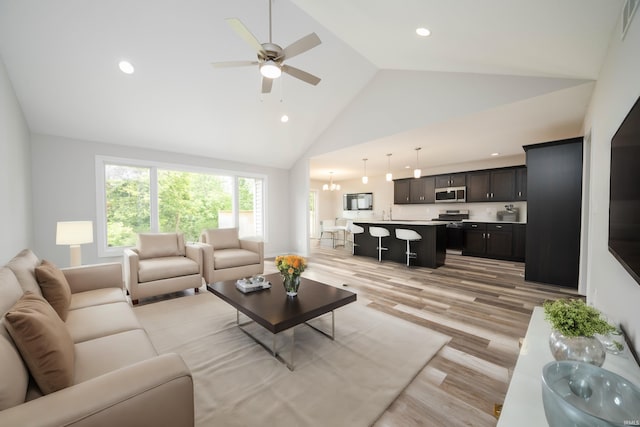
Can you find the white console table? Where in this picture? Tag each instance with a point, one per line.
(523, 403)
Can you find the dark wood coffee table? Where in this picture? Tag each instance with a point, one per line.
(275, 311)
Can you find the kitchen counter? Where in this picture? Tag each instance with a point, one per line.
(398, 222)
(494, 221)
(430, 250)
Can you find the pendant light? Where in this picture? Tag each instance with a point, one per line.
(389, 175)
(365, 178)
(331, 186)
(417, 172)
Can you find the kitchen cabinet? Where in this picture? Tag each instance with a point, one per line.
(554, 212)
(401, 191)
(450, 180)
(521, 184)
(414, 190)
(497, 185)
(519, 240)
(493, 240)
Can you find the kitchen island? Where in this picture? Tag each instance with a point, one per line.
(430, 250)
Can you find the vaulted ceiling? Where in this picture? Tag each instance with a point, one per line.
(494, 75)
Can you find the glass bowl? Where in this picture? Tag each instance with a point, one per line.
(580, 394)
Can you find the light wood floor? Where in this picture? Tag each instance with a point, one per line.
(483, 305)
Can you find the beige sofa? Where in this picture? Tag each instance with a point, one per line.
(227, 257)
(117, 377)
(161, 263)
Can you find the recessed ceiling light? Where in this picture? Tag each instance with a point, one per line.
(495, 154)
(424, 32)
(284, 118)
(126, 67)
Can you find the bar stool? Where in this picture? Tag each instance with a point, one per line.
(354, 229)
(379, 232)
(409, 236)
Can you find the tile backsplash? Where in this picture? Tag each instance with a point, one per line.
(477, 211)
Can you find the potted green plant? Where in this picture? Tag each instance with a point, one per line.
(575, 325)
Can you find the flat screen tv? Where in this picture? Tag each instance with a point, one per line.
(624, 203)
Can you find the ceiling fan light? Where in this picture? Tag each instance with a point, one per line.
(270, 69)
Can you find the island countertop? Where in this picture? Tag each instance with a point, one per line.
(398, 222)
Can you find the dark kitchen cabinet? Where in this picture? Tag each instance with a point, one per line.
(474, 239)
(414, 191)
(519, 240)
(499, 240)
(401, 191)
(521, 184)
(554, 212)
(492, 240)
(429, 189)
(417, 190)
(450, 180)
(497, 185)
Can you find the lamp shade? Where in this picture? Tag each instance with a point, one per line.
(74, 232)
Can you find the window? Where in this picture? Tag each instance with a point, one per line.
(137, 196)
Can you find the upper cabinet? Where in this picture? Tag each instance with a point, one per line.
(521, 184)
(401, 191)
(507, 184)
(496, 185)
(450, 180)
(412, 190)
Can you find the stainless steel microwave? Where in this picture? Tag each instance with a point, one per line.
(451, 194)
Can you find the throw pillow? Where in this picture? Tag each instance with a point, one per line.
(55, 288)
(157, 245)
(43, 341)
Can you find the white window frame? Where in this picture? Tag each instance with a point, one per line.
(101, 203)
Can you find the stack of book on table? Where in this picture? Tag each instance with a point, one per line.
(252, 284)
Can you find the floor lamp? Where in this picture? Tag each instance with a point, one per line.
(74, 233)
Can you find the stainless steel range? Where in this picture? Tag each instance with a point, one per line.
(455, 234)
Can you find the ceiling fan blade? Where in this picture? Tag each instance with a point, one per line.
(302, 75)
(304, 44)
(266, 84)
(244, 32)
(227, 64)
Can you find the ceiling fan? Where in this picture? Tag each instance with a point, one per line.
(271, 57)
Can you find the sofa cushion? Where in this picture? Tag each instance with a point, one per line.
(10, 290)
(223, 238)
(54, 286)
(96, 297)
(98, 321)
(155, 245)
(229, 258)
(43, 341)
(164, 268)
(23, 266)
(14, 377)
(106, 354)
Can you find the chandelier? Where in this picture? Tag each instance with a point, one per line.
(331, 186)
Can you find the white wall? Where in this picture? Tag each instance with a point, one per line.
(609, 286)
(15, 174)
(64, 189)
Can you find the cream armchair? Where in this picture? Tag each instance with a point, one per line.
(162, 263)
(227, 257)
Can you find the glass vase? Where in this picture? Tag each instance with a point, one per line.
(581, 349)
(291, 284)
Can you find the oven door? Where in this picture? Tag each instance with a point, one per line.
(453, 194)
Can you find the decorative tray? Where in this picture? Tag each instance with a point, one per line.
(252, 284)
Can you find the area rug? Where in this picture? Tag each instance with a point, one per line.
(347, 382)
